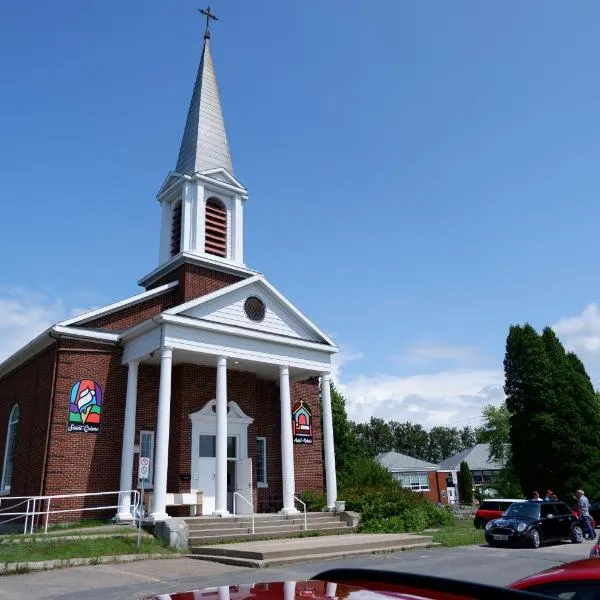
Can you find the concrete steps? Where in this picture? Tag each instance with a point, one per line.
(209, 530)
(285, 551)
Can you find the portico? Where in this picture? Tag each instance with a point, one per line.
(192, 334)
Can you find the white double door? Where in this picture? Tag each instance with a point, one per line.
(204, 463)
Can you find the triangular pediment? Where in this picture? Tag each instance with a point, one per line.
(234, 413)
(170, 180)
(222, 175)
(228, 307)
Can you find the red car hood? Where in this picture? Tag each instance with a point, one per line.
(355, 584)
(588, 568)
(298, 590)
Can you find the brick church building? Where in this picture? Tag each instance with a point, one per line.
(210, 372)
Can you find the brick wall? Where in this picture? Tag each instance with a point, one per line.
(31, 387)
(86, 462)
(437, 488)
(132, 315)
(195, 281)
(80, 462)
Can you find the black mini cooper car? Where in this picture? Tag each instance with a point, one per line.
(534, 523)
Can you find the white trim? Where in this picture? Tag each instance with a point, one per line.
(208, 297)
(162, 190)
(220, 170)
(75, 332)
(105, 310)
(45, 339)
(260, 279)
(34, 347)
(223, 265)
(11, 423)
(265, 482)
(248, 333)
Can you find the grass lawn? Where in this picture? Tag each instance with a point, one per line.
(462, 533)
(86, 548)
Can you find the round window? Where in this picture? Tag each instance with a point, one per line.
(255, 308)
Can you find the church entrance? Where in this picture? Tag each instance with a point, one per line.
(204, 463)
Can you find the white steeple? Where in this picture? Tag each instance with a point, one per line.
(204, 145)
(202, 203)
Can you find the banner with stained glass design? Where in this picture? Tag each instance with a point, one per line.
(302, 423)
(85, 408)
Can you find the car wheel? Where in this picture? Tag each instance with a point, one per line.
(534, 538)
(492, 544)
(576, 534)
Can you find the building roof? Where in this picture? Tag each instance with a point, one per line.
(394, 461)
(204, 145)
(477, 457)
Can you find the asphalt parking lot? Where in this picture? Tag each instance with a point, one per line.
(496, 566)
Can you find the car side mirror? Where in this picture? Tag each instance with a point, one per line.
(550, 516)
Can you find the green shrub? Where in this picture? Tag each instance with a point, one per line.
(314, 502)
(389, 525)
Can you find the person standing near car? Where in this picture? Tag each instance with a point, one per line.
(535, 497)
(583, 507)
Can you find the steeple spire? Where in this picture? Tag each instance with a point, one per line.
(204, 145)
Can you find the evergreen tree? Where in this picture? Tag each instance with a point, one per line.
(465, 484)
(554, 415)
(529, 393)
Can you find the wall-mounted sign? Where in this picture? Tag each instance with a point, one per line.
(302, 423)
(85, 407)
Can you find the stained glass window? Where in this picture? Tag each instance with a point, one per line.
(147, 451)
(261, 462)
(9, 452)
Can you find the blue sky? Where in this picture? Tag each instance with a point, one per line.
(421, 174)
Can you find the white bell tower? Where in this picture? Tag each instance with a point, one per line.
(202, 203)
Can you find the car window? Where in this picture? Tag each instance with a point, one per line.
(562, 509)
(524, 509)
(548, 509)
(503, 505)
(569, 590)
(486, 506)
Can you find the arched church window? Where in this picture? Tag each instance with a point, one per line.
(176, 229)
(9, 450)
(216, 228)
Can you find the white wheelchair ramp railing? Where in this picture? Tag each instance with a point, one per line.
(237, 495)
(34, 510)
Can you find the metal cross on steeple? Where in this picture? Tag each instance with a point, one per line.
(209, 16)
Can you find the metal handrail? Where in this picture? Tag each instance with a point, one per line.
(247, 502)
(304, 506)
(34, 506)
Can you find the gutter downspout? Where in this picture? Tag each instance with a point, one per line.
(50, 410)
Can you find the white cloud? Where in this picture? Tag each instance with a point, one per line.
(445, 397)
(581, 334)
(436, 352)
(23, 316)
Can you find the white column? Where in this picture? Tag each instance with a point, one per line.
(221, 442)
(159, 498)
(124, 512)
(238, 231)
(165, 232)
(330, 476)
(287, 443)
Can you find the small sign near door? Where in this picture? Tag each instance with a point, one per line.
(302, 423)
(144, 468)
